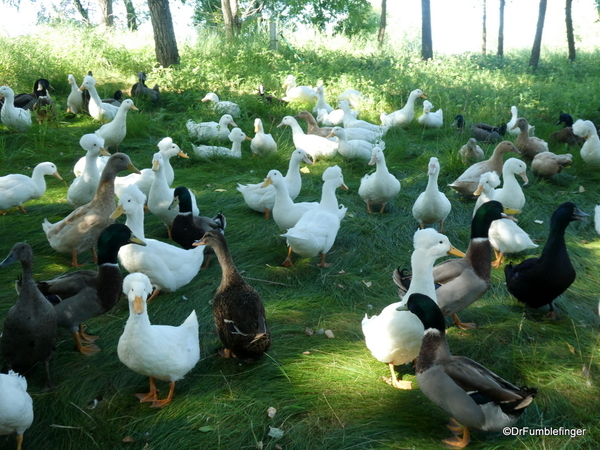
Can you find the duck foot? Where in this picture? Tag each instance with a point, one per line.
(225, 353)
(288, 261)
(86, 338)
(552, 316)
(164, 402)
(87, 350)
(462, 325)
(456, 441)
(153, 296)
(151, 396)
(395, 382)
(323, 263)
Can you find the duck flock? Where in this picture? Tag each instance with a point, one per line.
(411, 329)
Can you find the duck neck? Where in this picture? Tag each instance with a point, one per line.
(282, 196)
(228, 269)
(328, 199)
(168, 168)
(40, 182)
(433, 347)
(422, 275)
(94, 95)
(236, 149)
(91, 170)
(432, 183)
(480, 255)
(109, 283)
(135, 221)
(105, 193)
(296, 128)
(555, 245)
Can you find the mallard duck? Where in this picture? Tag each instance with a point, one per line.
(548, 164)
(75, 103)
(115, 131)
(29, 331)
(350, 121)
(211, 131)
(79, 231)
(481, 131)
(333, 118)
(394, 337)
(432, 206)
(539, 281)
(16, 189)
(474, 396)
(169, 267)
(510, 126)
(188, 228)
(431, 119)
(527, 145)
(262, 199)
(237, 307)
(98, 109)
(315, 232)
(294, 93)
(143, 180)
(12, 117)
(590, 152)
(86, 294)
(471, 151)
(161, 352)
(222, 107)
(315, 146)
(467, 183)
(403, 117)
(83, 188)
(160, 196)
(16, 409)
(236, 136)
(286, 213)
(356, 148)
(511, 193)
(353, 97)
(262, 144)
(380, 187)
(139, 89)
(321, 102)
(269, 98)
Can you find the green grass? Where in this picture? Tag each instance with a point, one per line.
(331, 398)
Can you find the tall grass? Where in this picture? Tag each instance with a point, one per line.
(327, 392)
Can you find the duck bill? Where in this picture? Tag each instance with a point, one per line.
(138, 305)
(478, 191)
(174, 203)
(135, 240)
(11, 258)
(580, 215)
(248, 138)
(373, 160)
(55, 174)
(524, 178)
(134, 108)
(423, 95)
(267, 182)
(307, 160)
(456, 252)
(233, 124)
(344, 187)
(117, 212)
(104, 152)
(198, 243)
(132, 168)
(403, 307)
(155, 165)
(183, 155)
(332, 134)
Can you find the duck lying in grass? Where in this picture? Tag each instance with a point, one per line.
(471, 151)
(481, 131)
(207, 131)
(539, 281)
(474, 396)
(222, 107)
(161, 352)
(12, 117)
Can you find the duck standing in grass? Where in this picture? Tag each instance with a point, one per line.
(590, 151)
(432, 206)
(262, 143)
(16, 189)
(29, 331)
(160, 352)
(115, 131)
(12, 117)
(380, 187)
(529, 146)
(238, 309)
(474, 396)
(16, 408)
(83, 188)
(403, 117)
(539, 281)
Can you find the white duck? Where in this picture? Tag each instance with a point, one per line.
(511, 194)
(317, 229)
(115, 131)
(236, 136)
(471, 151)
(333, 118)
(380, 187)
(315, 146)
(294, 93)
(402, 117)
(355, 148)
(16, 408)
(144, 179)
(169, 267)
(222, 107)
(98, 109)
(351, 122)
(321, 102)
(488, 182)
(597, 218)
(160, 196)
(286, 213)
(75, 103)
(83, 188)
(513, 121)
(431, 119)
(262, 199)
(207, 131)
(16, 189)
(432, 206)
(590, 152)
(353, 97)
(161, 352)
(393, 336)
(262, 143)
(12, 117)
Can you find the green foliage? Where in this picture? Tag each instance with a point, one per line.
(327, 392)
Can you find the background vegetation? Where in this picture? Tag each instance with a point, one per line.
(327, 392)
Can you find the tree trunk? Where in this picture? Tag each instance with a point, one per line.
(106, 12)
(537, 43)
(230, 18)
(484, 29)
(382, 23)
(501, 30)
(131, 16)
(165, 43)
(570, 35)
(426, 41)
